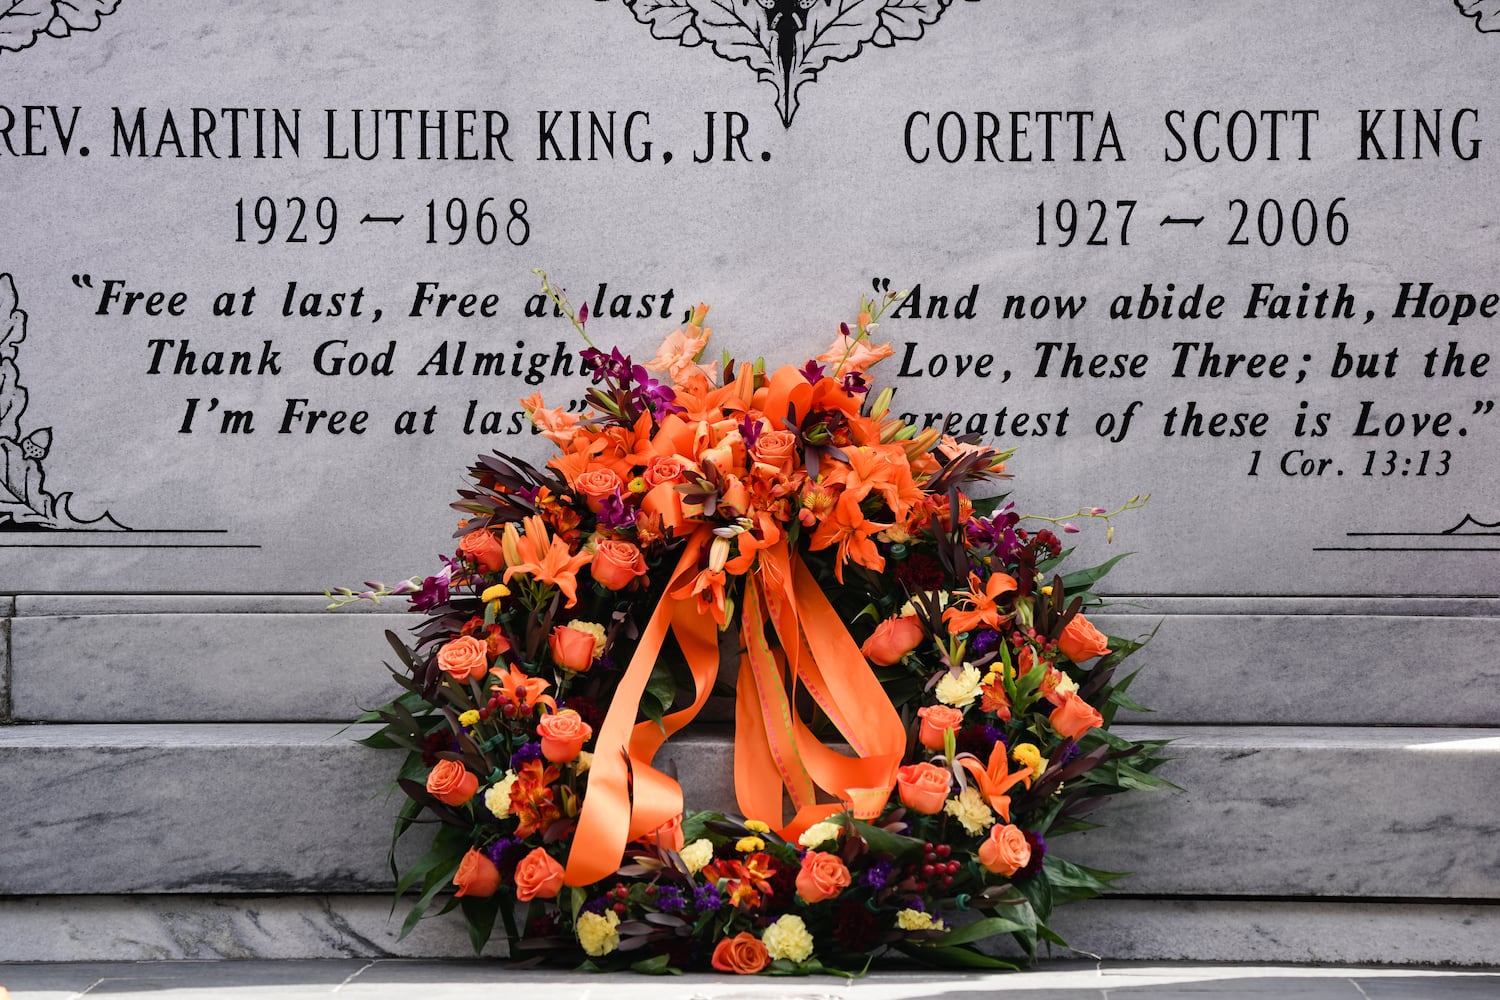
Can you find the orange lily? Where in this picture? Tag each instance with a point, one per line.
(544, 558)
(982, 607)
(995, 780)
(849, 529)
(523, 689)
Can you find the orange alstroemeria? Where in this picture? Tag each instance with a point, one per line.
(848, 528)
(532, 802)
(544, 558)
(982, 607)
(996, 780)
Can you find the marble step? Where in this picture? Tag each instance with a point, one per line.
(1212, 661)
(1352, 813)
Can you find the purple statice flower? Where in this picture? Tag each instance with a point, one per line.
(984, 641)
(597, 905)
(669, 899)
(915, 903)
(854, 384)
(707, 899)
(615, 514)
(506, 853)
(525, 752)
(877, 875)
(995, 735)
(750, 431)
(1038, 854)
(812, 371)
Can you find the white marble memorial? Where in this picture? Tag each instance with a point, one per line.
(266, 288)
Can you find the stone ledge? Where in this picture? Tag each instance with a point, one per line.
(197, 928)
(1389, 813)
(1285, 669)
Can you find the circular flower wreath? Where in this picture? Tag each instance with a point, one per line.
(790, 517)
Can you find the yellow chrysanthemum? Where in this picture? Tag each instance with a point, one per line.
(970, 809)
(788, 938)
(469, 718)
(756, 826)
(916, 920)
(696, 855)
(1027, 755)
(749, 845)
(597, 934)
(819, 834)
(494, 593)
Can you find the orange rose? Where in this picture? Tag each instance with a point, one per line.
(1005, 851)
(668, 835)
(663, 469)
(572, 648)
(538, 876)
(778, 448)
(936, 720)
(823, 876)
(893, 639)
(563, 735)
(616, 564)
(742, 954)
(1081, 641)
(451, 783)
(1074, 717)
(464, 659)
(484, 548)
(476, 875)
(596, 484)
(923, 787)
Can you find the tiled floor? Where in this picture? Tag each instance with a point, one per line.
(415, 980)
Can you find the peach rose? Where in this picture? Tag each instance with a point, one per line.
(1081, 641)
(668, 835)
(823, 876)
(596, 484)
(936, 720)
(1005, 851)
(538, 876)
(451, 783)
(572, 648)
(464, 659)
(778, 448)
(484, 548)
(476, 875)
(893, 639)
(742, 954)
(616, 564)
(1074, 717)
(563, 735)
(923, 787)
(663, 469)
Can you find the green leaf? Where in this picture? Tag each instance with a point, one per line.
(981, 929)
(658, 965)
(480, 914)
(695, 827)
(1084, 579)
(885, 842)
(957, 957)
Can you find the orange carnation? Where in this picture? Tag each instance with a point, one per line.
(923, 787)
(538, 876)
(476, 875)
(742, 954)
(451, 783)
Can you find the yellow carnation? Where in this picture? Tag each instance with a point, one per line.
(916, 920)
(788, 938)
(469, 718)
(970, 809)
(497, 798)
(959, 691)
(596, 932)
(583, 762)
(696, 855)
(1027, 755)
(819, 833)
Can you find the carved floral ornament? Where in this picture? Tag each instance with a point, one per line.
(788, 43)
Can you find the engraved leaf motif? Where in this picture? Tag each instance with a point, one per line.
(81, 15)
(668, 19)
(835, 32)
(22, 498)
(739, 34)
(12, 332)
(907, 19)
(1485, 12)
(21, 21)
